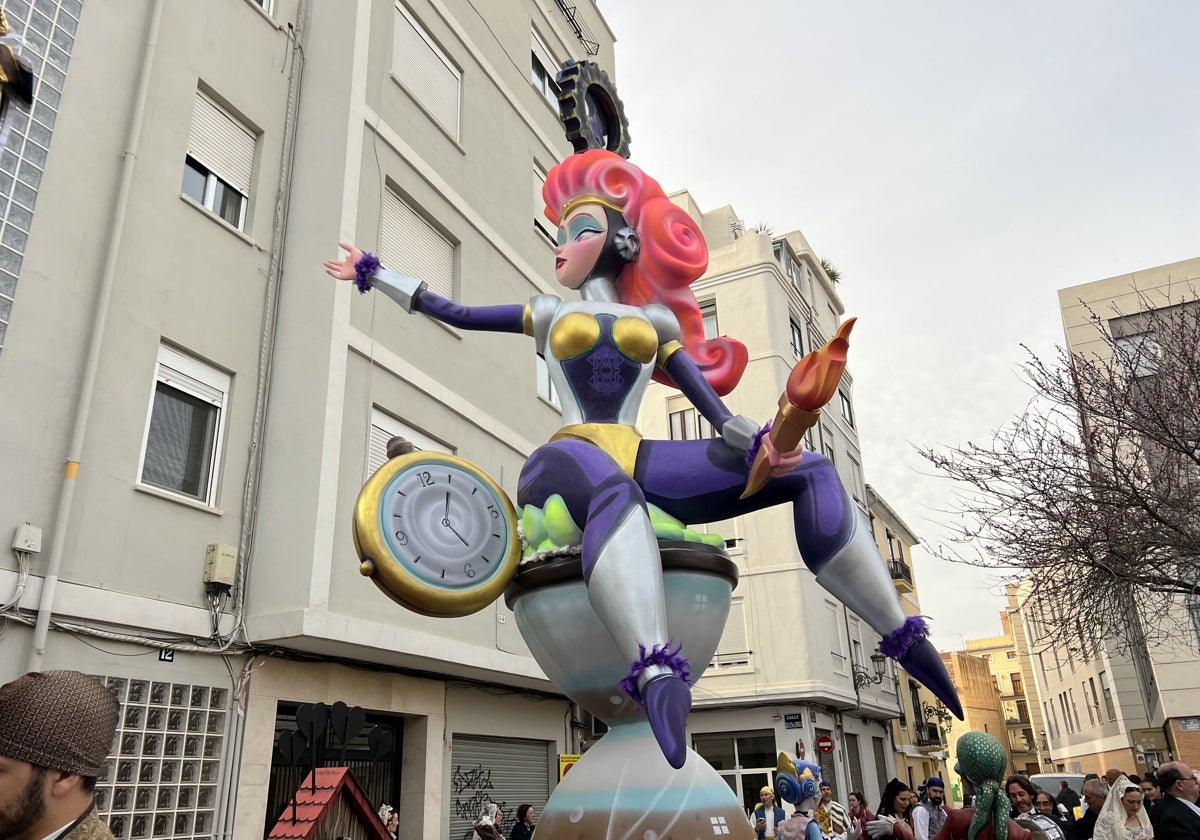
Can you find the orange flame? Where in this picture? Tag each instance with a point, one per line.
(814, 379)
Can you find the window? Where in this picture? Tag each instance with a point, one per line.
(545, 385)
(182, 446)
(797, 337)
(1018, 685)
(1193, 608)
(542, 72)
(540, 223)
(411, 245)
(856, 652)
(266, 5)
(1010, 654)
(827, 443)
(690, 424)
(896, 553)
(1074, 708)
(847, 408)
(708, 311)
(1087, 703)
(734, 646)
(746, 760)
(425, 71)
(220, 161)
(1138, 354)
(1109, 707)
(384, 427)
(856, 477)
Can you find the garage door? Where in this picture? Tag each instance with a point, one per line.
(507, 772)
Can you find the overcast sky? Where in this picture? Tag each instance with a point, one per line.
(958, 162)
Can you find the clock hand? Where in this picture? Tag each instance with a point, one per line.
(446, 522)
(446, 517)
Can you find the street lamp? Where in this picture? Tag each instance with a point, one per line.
(862, 677)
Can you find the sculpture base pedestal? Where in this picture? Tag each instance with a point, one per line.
(623, 789)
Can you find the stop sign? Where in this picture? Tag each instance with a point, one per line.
(825, 744)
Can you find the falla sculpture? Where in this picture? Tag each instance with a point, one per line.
(617, 628)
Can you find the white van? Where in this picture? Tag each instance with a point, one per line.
(1051, 782)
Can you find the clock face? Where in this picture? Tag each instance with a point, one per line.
(436, 534)
(444, 524)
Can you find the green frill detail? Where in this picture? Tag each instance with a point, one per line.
(551, 528)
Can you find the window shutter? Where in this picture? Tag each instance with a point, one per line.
(410, 245)
(539, 206)
(425, 71)
(734, 646)
(855, 758)
(507, 772)
(221, 143)
(384, 427)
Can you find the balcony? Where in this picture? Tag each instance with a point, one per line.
(928, 735)
(1021, 720)
(901, 575)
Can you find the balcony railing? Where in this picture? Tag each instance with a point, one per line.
(928, 735)
(901, 574)
(1020, 720)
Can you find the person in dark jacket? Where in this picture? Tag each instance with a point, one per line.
(1176, 817)
(1067, 796)
(1094, 794)
(523, 828)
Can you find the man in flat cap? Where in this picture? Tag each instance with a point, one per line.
(56, 730)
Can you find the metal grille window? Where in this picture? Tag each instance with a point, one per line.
(425, 71)
(162, 782)
(734, 648)
(411, 245)
(220, 161)
(384, 427)
(181, 450)
(379, 778)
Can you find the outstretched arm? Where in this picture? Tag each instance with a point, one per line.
(414, 295)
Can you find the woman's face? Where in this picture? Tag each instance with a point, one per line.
(1043, 804)
(903, 799)
(581, 238)
(1132, 801)
(853, 802)
(529, 816)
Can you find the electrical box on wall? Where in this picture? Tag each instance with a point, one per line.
(27, 538)
(220, 564)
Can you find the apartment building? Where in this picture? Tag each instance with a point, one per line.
(794, 665)
(1104, 708)
(167, 334)
(982, 710)
(1011, 669)
(918, 734)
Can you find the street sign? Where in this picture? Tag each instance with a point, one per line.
(793, 721)
(825, 744)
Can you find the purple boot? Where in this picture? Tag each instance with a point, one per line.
(668, 701)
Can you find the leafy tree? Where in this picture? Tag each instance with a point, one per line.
(1090, 499)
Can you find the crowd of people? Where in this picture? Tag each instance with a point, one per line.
(1161, 805)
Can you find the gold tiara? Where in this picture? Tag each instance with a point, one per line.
(579, 201)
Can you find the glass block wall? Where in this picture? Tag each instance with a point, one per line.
(48, 27)
(162, 779)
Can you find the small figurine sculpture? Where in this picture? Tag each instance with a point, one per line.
(798, 782)
(632, 254)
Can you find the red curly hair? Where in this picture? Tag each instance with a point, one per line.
(673, 253)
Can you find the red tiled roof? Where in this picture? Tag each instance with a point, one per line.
(311, 808)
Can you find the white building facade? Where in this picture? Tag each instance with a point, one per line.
(183, 384)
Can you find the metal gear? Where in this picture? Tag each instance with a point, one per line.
(590, 110)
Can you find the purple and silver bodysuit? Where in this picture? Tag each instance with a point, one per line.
(601, 355)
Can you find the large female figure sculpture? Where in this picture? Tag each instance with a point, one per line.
(632, 255)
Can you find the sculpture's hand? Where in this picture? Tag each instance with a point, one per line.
(738, 432)
(344, 269)
(782, 463)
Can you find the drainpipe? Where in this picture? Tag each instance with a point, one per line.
(87, 385)
(266, 358)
